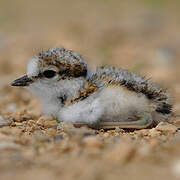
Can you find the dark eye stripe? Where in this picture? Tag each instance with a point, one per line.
(49, 73)
(63, 71)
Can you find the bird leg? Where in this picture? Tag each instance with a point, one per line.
(144, 121)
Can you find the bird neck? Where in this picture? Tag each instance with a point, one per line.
(70, 89)
(54, 99)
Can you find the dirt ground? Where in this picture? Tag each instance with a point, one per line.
(141, 35)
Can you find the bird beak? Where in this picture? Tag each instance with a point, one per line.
(22, 81)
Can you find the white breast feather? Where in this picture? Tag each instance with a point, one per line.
(82, 112)
(112, 104)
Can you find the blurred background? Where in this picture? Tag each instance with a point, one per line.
(140, 35)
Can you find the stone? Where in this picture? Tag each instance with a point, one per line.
(154, 132)
(166, 127)
(11, 108)
(74, 132)
(46, 122)
(4, 122)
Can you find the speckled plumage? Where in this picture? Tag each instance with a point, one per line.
(105, 98)
(68, 62)
(107, 75)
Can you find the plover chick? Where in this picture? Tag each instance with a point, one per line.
(108, 98)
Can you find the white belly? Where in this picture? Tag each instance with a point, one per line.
(110, 104)
(120, 104)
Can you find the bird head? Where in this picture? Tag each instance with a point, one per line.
(53, 70)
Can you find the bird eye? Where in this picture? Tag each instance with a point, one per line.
(49, 73)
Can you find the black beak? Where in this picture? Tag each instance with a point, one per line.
(22, 81)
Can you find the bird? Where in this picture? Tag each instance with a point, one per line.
(108, 98)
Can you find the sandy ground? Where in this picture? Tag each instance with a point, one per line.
(142, 36)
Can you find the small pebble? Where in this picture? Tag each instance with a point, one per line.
(21, 115)
(51, 132)
(18, 124)
(46, 122)
(73, 132)
(166, 127)
(50, 123)
(40, 121)
(4, 122)
(154, 132)
(31, 122)
(11, 108)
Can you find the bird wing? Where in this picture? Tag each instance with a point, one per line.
(107, 75)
